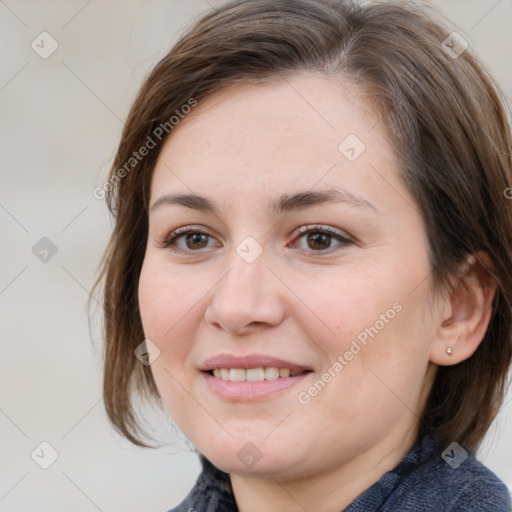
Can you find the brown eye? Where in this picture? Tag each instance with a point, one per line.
(319, 241)
(188, 239)
(196, 241)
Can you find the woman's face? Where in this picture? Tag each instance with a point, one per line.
(305, 265)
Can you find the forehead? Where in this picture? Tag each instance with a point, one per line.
(302, 131)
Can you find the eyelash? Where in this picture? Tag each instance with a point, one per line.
(325, 230)
(169, 242)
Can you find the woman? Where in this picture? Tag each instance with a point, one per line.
(310, 262)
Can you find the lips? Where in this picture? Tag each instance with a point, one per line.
(242, 378)
(254, 361)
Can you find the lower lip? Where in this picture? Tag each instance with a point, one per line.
(247, 391)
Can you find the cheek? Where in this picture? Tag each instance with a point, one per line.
(170, 307)
(170, 304)
(347, 305)
(168, 297)
(374, 328)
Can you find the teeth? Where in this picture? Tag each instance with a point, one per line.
(271, 373)
(254, 374)
(237, 375)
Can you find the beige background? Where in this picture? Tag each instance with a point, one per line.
(60, 122)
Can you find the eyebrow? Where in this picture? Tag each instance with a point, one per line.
(285, 203)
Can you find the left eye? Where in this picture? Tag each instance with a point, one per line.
(320, 239)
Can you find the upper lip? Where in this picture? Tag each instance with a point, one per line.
(249, 361)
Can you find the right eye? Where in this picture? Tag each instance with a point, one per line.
(187, 239)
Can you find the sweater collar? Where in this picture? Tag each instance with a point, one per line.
(213, 491)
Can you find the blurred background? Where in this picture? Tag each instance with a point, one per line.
(69, 72)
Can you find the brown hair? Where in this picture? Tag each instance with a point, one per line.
(451, 136)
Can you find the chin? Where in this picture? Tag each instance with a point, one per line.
(255, 456)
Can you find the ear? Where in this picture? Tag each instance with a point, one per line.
(466, 313)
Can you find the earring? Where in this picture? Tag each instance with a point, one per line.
(449, 351)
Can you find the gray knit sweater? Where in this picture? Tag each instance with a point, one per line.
(422, 482)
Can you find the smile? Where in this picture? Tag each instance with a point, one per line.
(253, 374)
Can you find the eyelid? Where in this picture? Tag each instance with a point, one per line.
(342, 238)
(167, 241)
(311, 228)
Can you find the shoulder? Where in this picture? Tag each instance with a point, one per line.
(480, 488)
(455, 485)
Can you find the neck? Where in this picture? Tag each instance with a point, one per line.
(330, 490)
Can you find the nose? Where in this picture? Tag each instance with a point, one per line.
(250, 296)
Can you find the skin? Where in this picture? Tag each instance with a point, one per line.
(242, 148)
